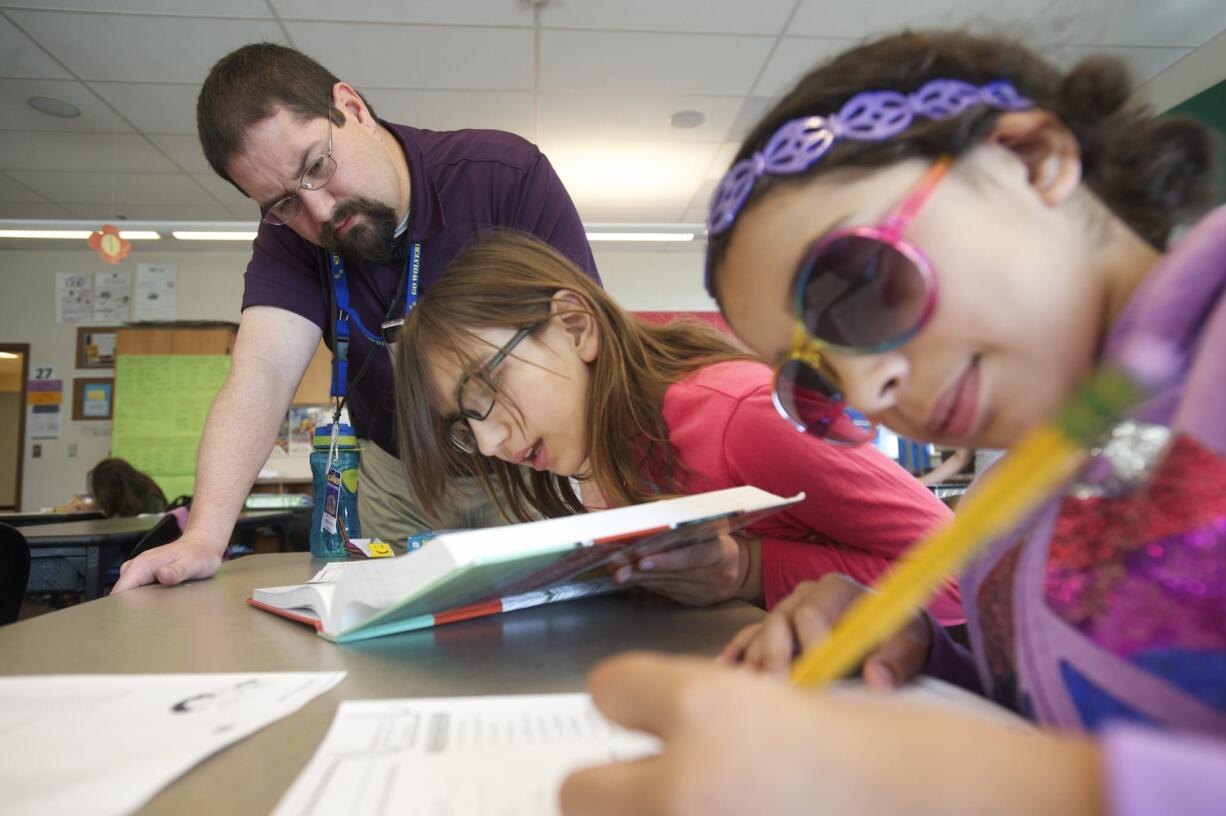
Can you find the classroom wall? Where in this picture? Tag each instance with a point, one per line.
(210, 288)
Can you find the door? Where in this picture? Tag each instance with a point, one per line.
(14, 362)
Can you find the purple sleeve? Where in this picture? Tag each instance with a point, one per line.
(1149, 771)
(546, 210)
(1200, 410)
(949, 661)
(284, 272)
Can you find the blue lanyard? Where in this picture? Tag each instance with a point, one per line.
(340, 291)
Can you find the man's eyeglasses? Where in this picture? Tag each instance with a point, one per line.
(315, 177)
(476, 393)
(861, 289)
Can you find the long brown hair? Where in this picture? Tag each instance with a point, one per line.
(1153, 173)
(121, 490)
(508, 280)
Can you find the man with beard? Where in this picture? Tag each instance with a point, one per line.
(359, 216)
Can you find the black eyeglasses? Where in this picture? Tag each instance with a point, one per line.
(476, 394)
(315, 177)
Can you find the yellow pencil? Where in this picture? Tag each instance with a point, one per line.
(1042, 461)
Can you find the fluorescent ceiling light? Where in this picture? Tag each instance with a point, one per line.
(640, 236)
(80, 235)
(8, 355)
(187, 235)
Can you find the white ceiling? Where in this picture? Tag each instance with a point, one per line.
(593, 82)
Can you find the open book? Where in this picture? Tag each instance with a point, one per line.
(480, 572)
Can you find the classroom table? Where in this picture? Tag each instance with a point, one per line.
(16, 519)
(206, 626)
(93, 546)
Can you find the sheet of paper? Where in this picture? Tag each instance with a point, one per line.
(74, 297)
(453, 755)
(155, 292)
(112, 296)
(104, 744)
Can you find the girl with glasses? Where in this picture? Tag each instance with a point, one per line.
(516, 366)
(948, 234)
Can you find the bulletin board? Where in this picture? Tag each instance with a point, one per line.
(161, 402)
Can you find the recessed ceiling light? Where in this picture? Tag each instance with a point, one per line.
(54, 107)
(195, 235)
(73, 235)
(687, 119)
(640, 236)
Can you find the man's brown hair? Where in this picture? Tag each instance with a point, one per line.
(248, 85)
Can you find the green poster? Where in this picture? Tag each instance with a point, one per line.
(161, 402)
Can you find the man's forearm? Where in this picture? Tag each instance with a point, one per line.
(238, 435)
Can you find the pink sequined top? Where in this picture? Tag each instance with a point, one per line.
(1106, 610)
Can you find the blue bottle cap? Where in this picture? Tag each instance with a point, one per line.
(347, 438)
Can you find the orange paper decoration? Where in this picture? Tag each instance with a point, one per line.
(109, 246)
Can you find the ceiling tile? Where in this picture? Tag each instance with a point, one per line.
(227, 194)
(753, 110)
(439, 12)
(402, 56)
(631, 174)
(1173, 23)
(597, 213)
(153, 107)
(793, 58)
(20, 57)
(696, 214)
(1143, 63)
(38, 150)
(454, 110)
(183, 149)
(13, 193)
(129, 48)
(101, 188)
(633, 117)
(139, 211)
(758, 17)
(16, 113)
(723, 160)
(189, 8)
(34, 210)
(651, 63)
(831, 18)
(702, 195)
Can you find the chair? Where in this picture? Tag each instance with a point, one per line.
(168, 528)
(14, 572)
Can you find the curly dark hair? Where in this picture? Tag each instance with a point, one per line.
(1153, 173)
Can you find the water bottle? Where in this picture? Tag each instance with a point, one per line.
(336, 491)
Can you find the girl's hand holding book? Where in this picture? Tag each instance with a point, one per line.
(709, 572)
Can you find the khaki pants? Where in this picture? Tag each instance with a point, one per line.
(387, 511)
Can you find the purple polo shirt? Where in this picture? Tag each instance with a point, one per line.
(463, 182)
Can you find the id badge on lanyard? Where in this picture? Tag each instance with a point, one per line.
(344, 316)
(332, 496)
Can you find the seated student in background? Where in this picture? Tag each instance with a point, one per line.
(118, 489)
(516, 359)
(984, 299)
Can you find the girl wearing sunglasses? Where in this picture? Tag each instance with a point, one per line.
(516, 366)
(949, 235)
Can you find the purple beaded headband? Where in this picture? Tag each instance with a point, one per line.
(871, 116)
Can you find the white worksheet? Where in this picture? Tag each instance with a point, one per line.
(106, 743)
(457, 755)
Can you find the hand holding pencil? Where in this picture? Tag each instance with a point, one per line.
(1039, 464)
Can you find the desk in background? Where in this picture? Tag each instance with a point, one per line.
(75, 555)
(206, 626)
(50, 517)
